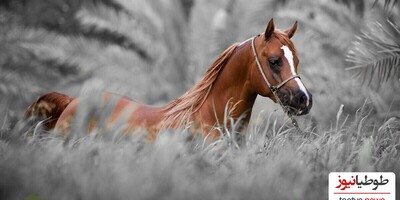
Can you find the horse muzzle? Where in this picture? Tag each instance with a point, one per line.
(296, 102)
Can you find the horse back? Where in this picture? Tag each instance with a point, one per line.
(125, 112)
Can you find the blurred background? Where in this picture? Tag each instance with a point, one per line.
(153, 51)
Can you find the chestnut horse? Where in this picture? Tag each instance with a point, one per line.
(264, 65)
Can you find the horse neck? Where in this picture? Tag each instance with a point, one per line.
(232, 89)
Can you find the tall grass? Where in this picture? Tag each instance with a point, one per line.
(271, 160)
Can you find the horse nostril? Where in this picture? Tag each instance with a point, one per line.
(303, 98)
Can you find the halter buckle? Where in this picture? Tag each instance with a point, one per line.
(274, 89)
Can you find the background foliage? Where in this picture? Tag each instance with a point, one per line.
(154, 51)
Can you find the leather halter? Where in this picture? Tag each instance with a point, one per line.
(274, 89)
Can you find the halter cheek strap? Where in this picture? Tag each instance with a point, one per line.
(274, 89)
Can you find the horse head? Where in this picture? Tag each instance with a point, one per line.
(275, 70)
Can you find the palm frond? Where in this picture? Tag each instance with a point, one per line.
(113, 4)
(59, 16)
(375, 55)
(388, 3)
(119, 28)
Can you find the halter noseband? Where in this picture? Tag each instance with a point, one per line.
(274, 89)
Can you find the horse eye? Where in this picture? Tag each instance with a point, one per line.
(274, 63)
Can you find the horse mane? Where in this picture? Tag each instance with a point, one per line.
(179, 110)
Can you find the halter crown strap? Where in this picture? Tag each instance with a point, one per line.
(273, 88)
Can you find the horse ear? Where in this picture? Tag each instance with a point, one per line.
(290, 32)
(270, 29)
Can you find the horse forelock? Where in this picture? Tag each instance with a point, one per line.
(178, 111)
(285, 40)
